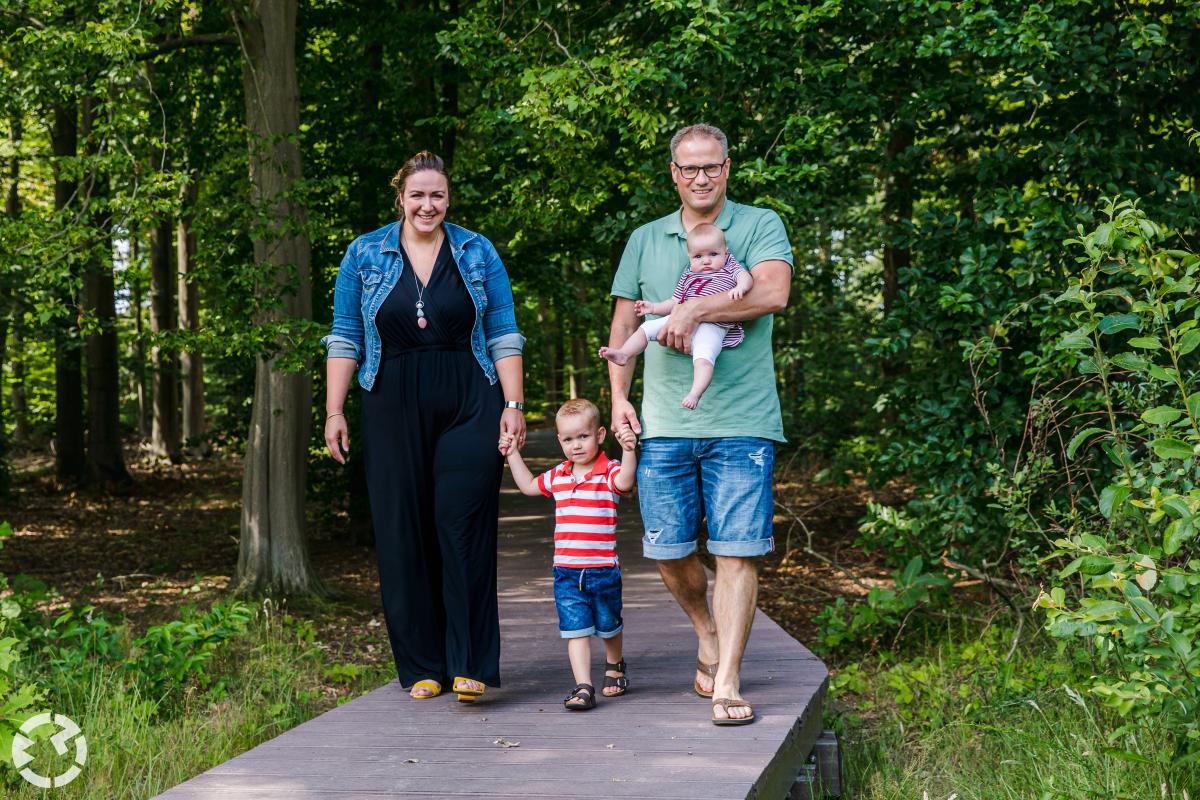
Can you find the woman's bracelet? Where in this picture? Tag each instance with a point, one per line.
(334, 414)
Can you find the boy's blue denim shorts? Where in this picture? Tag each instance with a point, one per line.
(725, 480)
(588, 601)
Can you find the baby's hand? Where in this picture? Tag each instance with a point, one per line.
(641, 307)
(737, 293)
(506, 444)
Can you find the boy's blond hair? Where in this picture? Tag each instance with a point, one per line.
(578, 407)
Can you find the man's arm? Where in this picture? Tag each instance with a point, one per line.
(772, 284)
(620, 378)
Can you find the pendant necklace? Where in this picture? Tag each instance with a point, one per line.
(421, 321)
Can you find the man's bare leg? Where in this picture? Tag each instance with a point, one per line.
(734, 597)
(687, 581)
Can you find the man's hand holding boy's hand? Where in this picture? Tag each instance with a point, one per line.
(627, 438)
(507, 444)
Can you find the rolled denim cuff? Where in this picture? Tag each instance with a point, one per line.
(505, 345)
(340, 347)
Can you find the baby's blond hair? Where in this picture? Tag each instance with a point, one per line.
(706, 230)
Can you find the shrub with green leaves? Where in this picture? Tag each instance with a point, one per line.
(1130, 588)
(18, 696)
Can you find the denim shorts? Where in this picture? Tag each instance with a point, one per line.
(724, 480)
(588, 601)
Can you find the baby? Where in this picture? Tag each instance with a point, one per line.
(712, 269)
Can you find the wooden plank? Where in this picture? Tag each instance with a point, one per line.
(657, 741)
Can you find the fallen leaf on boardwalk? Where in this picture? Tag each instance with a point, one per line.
(610, 746)
(412, 761)
(506, 743)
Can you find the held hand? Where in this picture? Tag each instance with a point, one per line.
(512, 425)
(627, 438)
(337, 438)
(681, 326)
(507, 440)
(641, 307)
(625, 418)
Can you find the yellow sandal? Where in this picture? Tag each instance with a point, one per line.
(433, 687)
(465, 694)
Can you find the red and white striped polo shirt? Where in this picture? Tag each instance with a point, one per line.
(585, 513)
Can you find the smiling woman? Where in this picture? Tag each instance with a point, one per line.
(424, 308)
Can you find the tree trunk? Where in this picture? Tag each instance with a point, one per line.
(897, 210)
(164, 431)
(273, 555)
(19, 408)
(9, 307)
(70, 463)
(191, 362)
(106, 463)
(139, 348)
(547, 330)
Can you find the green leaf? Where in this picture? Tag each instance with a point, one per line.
(1115, 323)
(1131, 361)
(1145, 342)
(1112, 498)
(1168, 447)
(1161, 415)
(1079, 438)
(1096, 565)
(1178, 532)
(1075, 340)
(1189, 342)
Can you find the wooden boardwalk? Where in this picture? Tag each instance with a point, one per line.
(519, 742)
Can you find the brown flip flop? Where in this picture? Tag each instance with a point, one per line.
(708, 669)
(726, 703)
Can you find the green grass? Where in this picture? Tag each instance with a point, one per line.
(956, 718)
(274, 677)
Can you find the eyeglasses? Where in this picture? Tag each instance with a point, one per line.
(690, 171)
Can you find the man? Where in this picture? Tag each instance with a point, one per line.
(716, 461)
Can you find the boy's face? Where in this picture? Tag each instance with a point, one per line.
(580, 438)
(707, 253)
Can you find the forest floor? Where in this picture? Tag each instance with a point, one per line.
(173, 541)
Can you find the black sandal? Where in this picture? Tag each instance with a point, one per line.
(621, 683)
(585, 692)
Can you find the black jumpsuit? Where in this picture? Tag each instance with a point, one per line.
(430, 426)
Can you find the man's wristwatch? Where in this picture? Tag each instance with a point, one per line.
(518, 405)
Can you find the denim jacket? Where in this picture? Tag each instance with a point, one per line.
(372, 267)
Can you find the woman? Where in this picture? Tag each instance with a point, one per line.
(424, 308)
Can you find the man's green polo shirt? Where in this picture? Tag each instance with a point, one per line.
(742, 399)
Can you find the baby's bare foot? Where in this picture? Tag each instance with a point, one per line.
(614, 355)
(691, 400)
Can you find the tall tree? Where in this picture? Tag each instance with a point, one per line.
(273, 556)
(164, 431)
(69, 455)
(191, 360)
(106, 463)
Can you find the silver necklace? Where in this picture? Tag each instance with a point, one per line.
(421, 321)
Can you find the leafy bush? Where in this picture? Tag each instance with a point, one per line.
(18, 696)
(882, 609)
(174, 652)
(1131, 589)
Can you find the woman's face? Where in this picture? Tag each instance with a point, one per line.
(425, 200)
